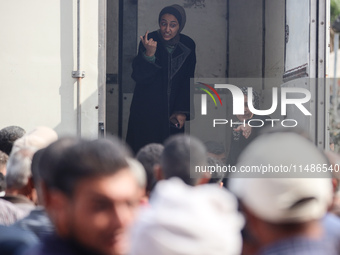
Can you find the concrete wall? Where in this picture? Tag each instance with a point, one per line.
(37, 57)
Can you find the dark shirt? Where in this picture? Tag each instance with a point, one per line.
(328, 244)
(54, 245)
(300, 246)
(36, 222)
(13, 240)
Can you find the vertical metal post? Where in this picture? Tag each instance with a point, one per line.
(78, 68)
(78, 74)
(321, 125)
(102, 67)
(335, 87)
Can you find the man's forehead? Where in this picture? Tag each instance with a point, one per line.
(120, 184)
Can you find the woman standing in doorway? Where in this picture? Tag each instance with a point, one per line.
(162, 70)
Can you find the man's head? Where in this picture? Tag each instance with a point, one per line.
(282, 202)
(19, 176)
(216, 150)
(8, 136)
(91, 194)
(180, 156)
(188, 220)
(149, 156)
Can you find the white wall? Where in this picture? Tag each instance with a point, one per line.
(37, 57)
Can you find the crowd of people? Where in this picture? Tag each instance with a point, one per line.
(76, 196)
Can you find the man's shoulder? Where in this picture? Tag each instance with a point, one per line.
(37, 222)
(300, 246)
(51, 245)
(13, 240)
(331, 224)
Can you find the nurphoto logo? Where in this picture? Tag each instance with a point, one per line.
(239, 104)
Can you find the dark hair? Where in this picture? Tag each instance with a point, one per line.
(80, 160)
(50, 156)
(8, 136)
(214, 147)
(180, 156)
(2, 182)
(148, 156)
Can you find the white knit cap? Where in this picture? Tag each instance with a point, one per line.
(284, 200)
(188, 220)
(39, 138)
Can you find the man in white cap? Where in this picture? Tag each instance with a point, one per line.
(284, 214)
(183, 219)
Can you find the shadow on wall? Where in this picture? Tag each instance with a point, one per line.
(66, 90)
(68, 86)
(89, 118)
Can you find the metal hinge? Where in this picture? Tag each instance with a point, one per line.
(287, 33)
(101, 129)
(78, 74)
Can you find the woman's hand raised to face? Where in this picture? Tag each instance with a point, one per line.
(149, 44)
(246, 130)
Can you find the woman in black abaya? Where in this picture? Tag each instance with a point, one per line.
(162, 70)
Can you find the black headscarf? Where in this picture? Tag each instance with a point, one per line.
(179, 12)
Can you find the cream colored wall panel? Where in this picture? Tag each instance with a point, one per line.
(37, 57)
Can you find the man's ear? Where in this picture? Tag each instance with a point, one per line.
(45, 194)
(57, 205)
(335, 184)
(32, 191)
(29, 191)
(54, 200)
(204, 179)
(158, 172)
